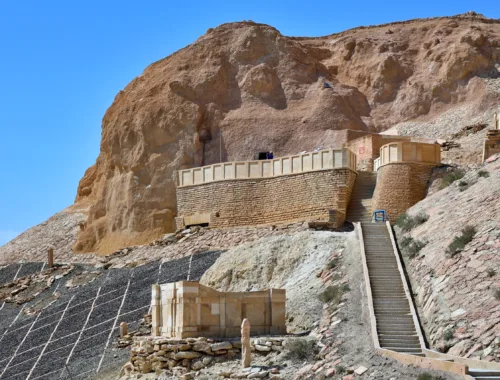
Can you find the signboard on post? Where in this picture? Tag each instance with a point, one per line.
(379, 216)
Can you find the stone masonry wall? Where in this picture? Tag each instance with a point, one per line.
(178, 357)
(400, 186)
(288, 198)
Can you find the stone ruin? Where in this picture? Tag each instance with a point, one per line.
(194, 326)
(188, 309)
(492, 140)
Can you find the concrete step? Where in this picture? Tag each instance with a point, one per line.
(388, 295)
(401, 323)
(403, 350)
(475, 372)
(400, 345)
(388, 307)
(384, 321)
(388, 292)
(396, 332)
(390, 303)
(399, 338)
(386, 265)
(404, 326)
(380, 275)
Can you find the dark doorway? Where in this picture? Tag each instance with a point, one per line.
(264, 156)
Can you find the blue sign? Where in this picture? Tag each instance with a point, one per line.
(379, 216)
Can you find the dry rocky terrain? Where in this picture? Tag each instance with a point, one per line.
(458, 295)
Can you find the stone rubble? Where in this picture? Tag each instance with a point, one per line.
(179, 357)
(25, 289)
(192, 241)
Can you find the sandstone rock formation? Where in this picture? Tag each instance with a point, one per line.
(264, 91)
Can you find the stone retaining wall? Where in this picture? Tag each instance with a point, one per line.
(400, 186)
(149, 354)
(319, 195)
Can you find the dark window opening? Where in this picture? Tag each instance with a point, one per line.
(264, 156)
(198, 225)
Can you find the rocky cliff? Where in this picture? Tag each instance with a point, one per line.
(244, 88)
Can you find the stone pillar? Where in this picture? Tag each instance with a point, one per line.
(155, 310)
(50, 257)
(496, 122)
(123, 329)
(246, 356)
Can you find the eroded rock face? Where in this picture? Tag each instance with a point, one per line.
(265, 91)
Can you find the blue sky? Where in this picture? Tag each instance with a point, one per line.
(62, 63)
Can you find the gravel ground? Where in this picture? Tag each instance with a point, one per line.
(83, 324)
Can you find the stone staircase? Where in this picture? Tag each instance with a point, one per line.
(392, 306)
(484, 374)
(395, 327)
(360, 206)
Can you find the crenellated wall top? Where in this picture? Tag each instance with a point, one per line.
(299, 163)
(409, 152)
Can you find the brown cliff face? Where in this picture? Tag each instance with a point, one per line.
(264, 91)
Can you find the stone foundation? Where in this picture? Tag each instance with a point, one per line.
(155, 354)
(400, 186)
(317, 195)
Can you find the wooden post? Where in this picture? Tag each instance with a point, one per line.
(50, 257)
(123, 329)
(246, 358)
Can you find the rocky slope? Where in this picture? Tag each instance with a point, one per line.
(283, 262)
(459, 296)
(247, 88)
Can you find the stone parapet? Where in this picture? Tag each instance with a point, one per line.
(411, 153)
(300, 163)
(315, 195)
(367, 148)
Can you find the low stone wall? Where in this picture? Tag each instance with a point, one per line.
(149, 354)
(400, 186)
(317, 195)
